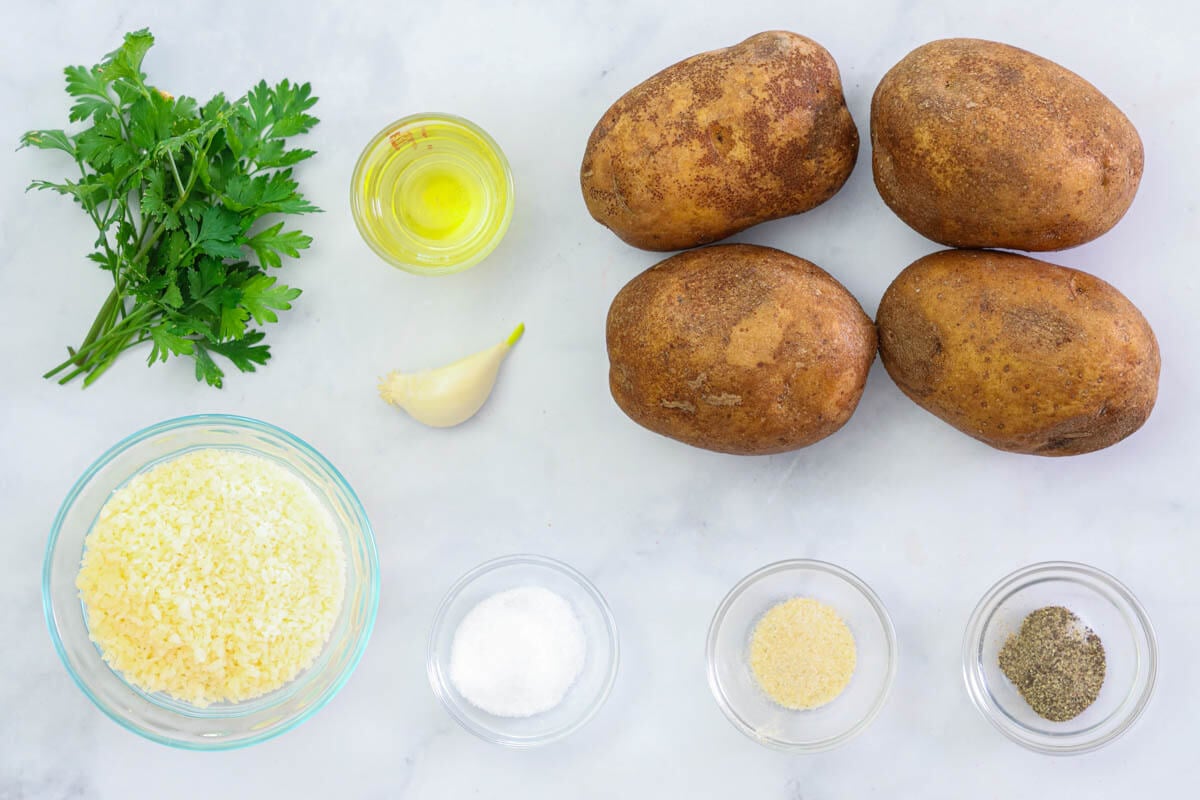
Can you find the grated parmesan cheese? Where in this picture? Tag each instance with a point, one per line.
(216, 576)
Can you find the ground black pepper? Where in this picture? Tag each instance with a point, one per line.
(1056, 662)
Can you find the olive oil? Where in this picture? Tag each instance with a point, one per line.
(436, 202)
(432, 194)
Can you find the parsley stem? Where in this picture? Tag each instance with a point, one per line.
(114, 350)
(87, 354)
(103, 320)
(175, 172)
(183, 196)
(70, 376)
(155, 232)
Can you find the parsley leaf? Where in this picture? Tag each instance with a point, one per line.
(260, 295)
(126, 60)
(246, 352)
(206, 369)
(168, 343)
(268, 244)
(216, 232)
(90, 90)
(49, 140)
(174, 188)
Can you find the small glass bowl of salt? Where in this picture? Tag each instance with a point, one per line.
(523, 651)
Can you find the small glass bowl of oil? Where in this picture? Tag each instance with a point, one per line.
(432, 194)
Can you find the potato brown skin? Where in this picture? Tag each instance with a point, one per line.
(979, 144)
(719, 142)
(1025, 356)
(738, 348)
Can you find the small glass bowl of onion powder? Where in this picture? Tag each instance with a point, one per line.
(801, 656)
(1108, 639)
(523, 651)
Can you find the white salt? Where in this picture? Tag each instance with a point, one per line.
(518, 652)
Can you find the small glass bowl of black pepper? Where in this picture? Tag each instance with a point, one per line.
(1103, 606)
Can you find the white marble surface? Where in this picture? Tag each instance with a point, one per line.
(927, 516)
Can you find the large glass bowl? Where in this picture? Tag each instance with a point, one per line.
(737, 691)
(157, 716)
(1103, 604)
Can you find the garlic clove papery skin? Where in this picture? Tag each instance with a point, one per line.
(449, 395)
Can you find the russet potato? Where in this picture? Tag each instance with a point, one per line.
(1023, 355)
(979, 144)
(738, 348)
(719, 142)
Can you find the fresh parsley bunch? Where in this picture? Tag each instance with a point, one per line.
(178, 193)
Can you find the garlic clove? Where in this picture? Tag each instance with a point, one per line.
(449, 395)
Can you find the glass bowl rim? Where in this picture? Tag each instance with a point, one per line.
(407, 266)
(440, 682)
(881, 613)
(1006, 587)
(197, 420)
